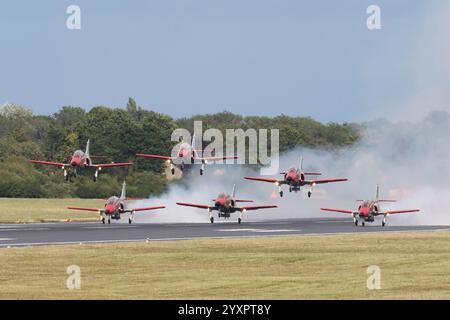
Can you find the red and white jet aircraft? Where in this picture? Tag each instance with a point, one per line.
(368, 210)
(295, 178)
(115, 207)
(82, 160)
(226, 205)
(186, 154)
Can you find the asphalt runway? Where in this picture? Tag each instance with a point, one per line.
(95, 232)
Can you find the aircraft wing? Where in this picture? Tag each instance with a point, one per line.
(256, 207)
(145, 208)
(338, 210)
(265, 180)
(201, 206)
(109, 165)
(217, 158)
(56, 164)
(153, 156)
(312, 173)
(320, 181)
(401, 211)
(86, 209)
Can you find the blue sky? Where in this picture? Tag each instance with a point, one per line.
(252, 57)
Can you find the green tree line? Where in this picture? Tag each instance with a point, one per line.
(118, 134)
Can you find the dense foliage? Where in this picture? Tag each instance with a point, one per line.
(118, 134)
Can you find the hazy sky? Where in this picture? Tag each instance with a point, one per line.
(253, 57)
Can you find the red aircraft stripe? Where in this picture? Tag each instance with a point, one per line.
(401, 211)
(109, 165)
(147, 208)
(84, 209)
(257, 207)
(325, 181)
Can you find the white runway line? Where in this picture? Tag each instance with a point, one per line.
(210, 237)
(335, 221)
(7, 239)
(110, 227)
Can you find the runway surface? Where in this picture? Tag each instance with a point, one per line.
(95, 232)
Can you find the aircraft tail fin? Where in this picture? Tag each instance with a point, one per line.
(301, 164)
(124, 191)
(377, 196)
(87, 149)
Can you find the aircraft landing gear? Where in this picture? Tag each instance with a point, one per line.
(363, 224)
(239, 220)
(109, 220)
(173, 171)
(309, 194)
(356, 222)
(290, 189)
(383, 223)
(211, 219)
(201, 172)
(103, 220)
(281, 194)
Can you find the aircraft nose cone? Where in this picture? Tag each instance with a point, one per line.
(75, 162)
(183, 153)
(364, 211)
(291, 177)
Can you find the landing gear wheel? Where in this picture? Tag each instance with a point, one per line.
(67, 177)
(356, 223)
(173, 171)
(109, 221)
(239, 220)
(363, 224)
(103, 220)
(129, 220)
(309, 194)
(290, 189)
(95, 179)
(383, 223)
(211, 219)
(201, 172)
(281, 193)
